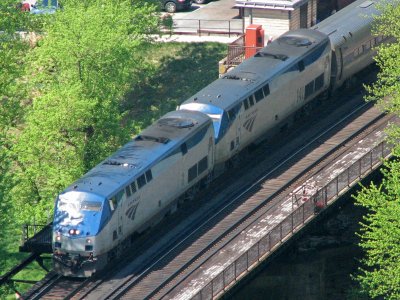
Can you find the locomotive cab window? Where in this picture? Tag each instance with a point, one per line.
(113, 203)
(232, 114)
(120, 195)
(91, 205)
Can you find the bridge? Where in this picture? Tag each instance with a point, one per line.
(249, 214)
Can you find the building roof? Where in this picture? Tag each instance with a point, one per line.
(271, 4)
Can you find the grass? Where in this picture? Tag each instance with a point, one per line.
(179, 70)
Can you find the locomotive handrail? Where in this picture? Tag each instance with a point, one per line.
(39, 237)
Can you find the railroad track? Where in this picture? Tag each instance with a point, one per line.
(157, 269)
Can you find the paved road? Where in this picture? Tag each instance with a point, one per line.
(215, 10)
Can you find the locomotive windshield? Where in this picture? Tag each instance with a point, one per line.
(91, 205)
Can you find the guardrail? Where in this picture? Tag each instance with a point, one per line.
(310, 204)
(205, 27)
(36, 238)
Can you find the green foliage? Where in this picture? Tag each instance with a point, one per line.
(380, 234)
(13, 48)
(78, 74)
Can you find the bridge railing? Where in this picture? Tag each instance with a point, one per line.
(30, 230)
(310, 205)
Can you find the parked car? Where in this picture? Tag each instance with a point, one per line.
(172, 6)
(40, 6)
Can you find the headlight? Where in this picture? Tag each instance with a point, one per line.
(74, 231)
(88, 241)
(58, 238)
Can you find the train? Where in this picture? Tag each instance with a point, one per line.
(144, 180)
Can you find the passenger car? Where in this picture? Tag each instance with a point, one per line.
(172, 6)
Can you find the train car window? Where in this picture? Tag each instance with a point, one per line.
(301, 66)
(246, 104)
(232, 145)
(259, 95)
(203, 165)
(266, 90)
(133, 187)
(192, 173)
(141, 181)
(149, 176)
(319, 82)
(232, 114)
(251, 100)
(128, 191)
(309, 90)
(184, 148)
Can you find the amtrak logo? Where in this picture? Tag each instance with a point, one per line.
(130, 213)
(249, 123)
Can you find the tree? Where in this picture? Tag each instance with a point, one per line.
(77, 76)
(380, 233)
(14, 47)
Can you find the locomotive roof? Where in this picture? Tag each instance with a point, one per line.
(256, 71)
(141, 153)
(355, 16)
